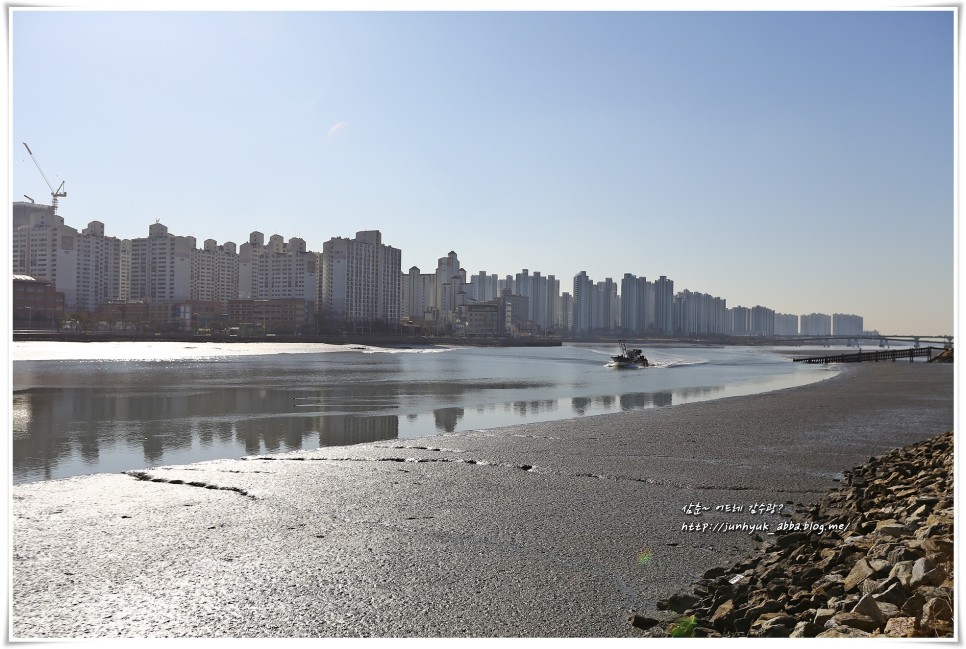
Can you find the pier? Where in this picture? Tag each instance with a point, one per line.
(876, 356)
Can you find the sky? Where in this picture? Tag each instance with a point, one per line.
(798, 160)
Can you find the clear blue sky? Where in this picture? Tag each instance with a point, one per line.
(802, 161)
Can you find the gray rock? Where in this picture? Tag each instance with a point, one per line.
(722, 612)
(867, 606)
(859, 573)
(888, 610)
(903, 572)
(901, 627)
(935, 610)
(843, 632)
(895, 593)
(823, 615)
(681, 602)
(853, 620)
(642, 622)
(806, 629)
(919, 570)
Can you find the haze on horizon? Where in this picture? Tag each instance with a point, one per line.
(803, 161)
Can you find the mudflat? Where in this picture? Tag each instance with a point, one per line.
(548, 529)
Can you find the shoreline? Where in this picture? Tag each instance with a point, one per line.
(537, 530)
(891, 575)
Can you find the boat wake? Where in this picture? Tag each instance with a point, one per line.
(681, 362)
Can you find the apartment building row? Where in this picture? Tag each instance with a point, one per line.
(360, 280)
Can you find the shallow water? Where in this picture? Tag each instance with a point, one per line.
(81, 408)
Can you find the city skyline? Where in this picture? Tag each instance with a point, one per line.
(94, 271)
(768, 158)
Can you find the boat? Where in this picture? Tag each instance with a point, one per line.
(629, 357)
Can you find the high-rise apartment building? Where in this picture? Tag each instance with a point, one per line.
(816, 324)
(739, 321)
(450, 279)
(361, 279)
(700, 314)
(762, 321)
(417, 295)
(214, 272)
(634, 304)
(846, 324)
(161, 266)
(483, 287)
(664, 305)
(565, 313)
(604, 314)
(583, 303)
(99, 263)
(277, 270)
(543, 293)
(44, 247)
(786, 324)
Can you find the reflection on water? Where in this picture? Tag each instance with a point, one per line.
(77, 417)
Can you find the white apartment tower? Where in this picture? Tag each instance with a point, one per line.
(277, 270)
(44, 247)
(450, 279)
(816, 324)
(583, 303)
(161, 266)
(417, 294)
(664, 305)
(214, 272)
(847, 324)
(361, 279)
(99, 263)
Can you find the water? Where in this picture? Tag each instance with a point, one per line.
(82, 408)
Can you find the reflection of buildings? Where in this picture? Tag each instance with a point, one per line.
(447, 418)
(343, 430)
(92, 425)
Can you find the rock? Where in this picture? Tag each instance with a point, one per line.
(823, 615)
(887, 572)
(641, 622)
(853, 620)
(913, 605)
(704, 632)
(768, 606)
(895, 592)
(919, 570)
(859, 573)
(722, 612)
(680, 603)
(867, 606)
(806, 629)
(888, 610)
(901, 627)
(713, 573)
(935, 610)
(892, 528)
(903, 572)
(842, 632)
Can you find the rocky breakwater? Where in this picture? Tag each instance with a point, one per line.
(888, 573)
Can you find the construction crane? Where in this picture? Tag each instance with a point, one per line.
(54, 193)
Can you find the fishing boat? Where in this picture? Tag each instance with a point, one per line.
(629, 357)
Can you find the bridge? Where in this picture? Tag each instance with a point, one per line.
(880, 339)
(887, 355)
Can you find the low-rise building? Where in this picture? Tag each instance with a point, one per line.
(36, 303)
